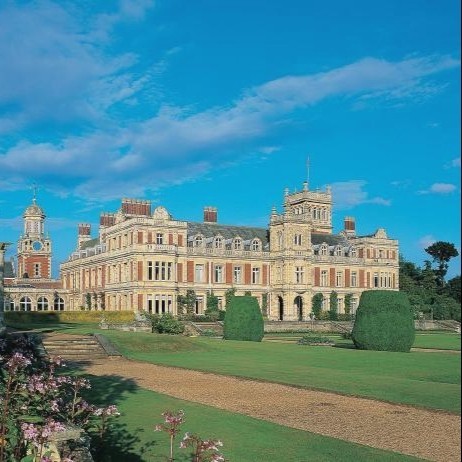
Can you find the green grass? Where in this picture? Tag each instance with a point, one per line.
(245, 439)
(417, 378)
(422, 379)
(439, 341)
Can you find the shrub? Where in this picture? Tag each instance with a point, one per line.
(243, 320)
(316, 304)
(166, 324)
(384, 321)
(51, 317)
(333, 306)
(312, 339)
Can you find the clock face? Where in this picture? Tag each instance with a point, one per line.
(36, 245)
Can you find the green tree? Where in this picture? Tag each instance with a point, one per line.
(442, 252)
(243, 320)
(229, 294)
(384, 321)
(348, 303)
(187, 303)
(333, 306)
(264, 305)
(453, 288)
(316, 305)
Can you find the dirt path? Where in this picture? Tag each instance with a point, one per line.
(422, 433)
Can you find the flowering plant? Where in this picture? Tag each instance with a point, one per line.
(35, 402)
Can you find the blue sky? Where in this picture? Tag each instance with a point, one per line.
(220, 102)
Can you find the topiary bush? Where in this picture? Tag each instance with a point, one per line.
(384, 321)
(243, 320)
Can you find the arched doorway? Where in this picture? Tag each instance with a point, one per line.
(298, 303)
(281, 308)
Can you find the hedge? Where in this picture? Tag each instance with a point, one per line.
(384, 321)
(51, 317)
(243, 320)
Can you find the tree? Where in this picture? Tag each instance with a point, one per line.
(229, 294)
(384, 321)
(243, 320)
(442, 252)
(316, 304)
(333, 306)
(187, 303)
(453, 288)
(348, 303)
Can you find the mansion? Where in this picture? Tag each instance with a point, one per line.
(142, 259)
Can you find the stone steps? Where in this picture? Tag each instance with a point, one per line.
(215, 326)
(74, 348)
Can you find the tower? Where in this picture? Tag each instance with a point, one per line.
(34, 248)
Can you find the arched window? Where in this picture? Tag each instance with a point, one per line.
(255, 244)
(59, 304)
(237, 243)
(42, 304)
(25, 304)
(323, 250)
(198, 241)
(218, 242)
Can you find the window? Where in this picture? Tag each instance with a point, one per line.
(353, 252)
(218, 272)
(237, 244)
(354, 279)
(159, 238)
(298, 239)
(25, 304)
(218, 242)
(381, 253)
(339, 279)
(299, 273)
(42, 304)
(255, 275)
(323, 250)
(159, 271)
(198, 241)
(237, 275)
(59, 304)
(338, 251)
(199, 273)
(324, 214)
(376, 279)
(255, 244)
(324, 278)
(280, 239)
(36, 269)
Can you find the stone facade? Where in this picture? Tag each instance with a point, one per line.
(143, 261)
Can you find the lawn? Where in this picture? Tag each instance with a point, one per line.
(422, 379)
(245, 439)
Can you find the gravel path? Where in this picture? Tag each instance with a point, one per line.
(427, 434)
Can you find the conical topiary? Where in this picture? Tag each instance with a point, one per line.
(243, 320)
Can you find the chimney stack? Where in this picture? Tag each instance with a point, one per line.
(136, 207)
(350, 226)
(84, 234)
(210, 214)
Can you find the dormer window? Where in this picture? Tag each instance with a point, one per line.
(198, 241)
(237, 244)
(218, 242)
(323, 250)
(353, 252)
(256, 245)
(338, 251)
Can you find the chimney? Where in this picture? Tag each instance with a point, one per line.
(136, 207)
(210, 214)
(84, 234)
(350, 226)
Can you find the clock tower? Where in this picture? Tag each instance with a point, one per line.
(34, 248)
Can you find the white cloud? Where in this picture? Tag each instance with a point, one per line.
(349, 194)
(439, 188)
(174, 145)
(456, 162)
(426, 241)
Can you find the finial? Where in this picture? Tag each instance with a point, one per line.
(34, 191)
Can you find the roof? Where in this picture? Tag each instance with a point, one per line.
(329, 239)
(34, 210)
(89, 244)
(228, 231)
(8, 270)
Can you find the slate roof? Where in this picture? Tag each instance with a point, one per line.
(90, 244)
(329, 239)
(228, 232)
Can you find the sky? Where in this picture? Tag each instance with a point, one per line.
(222, 102)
